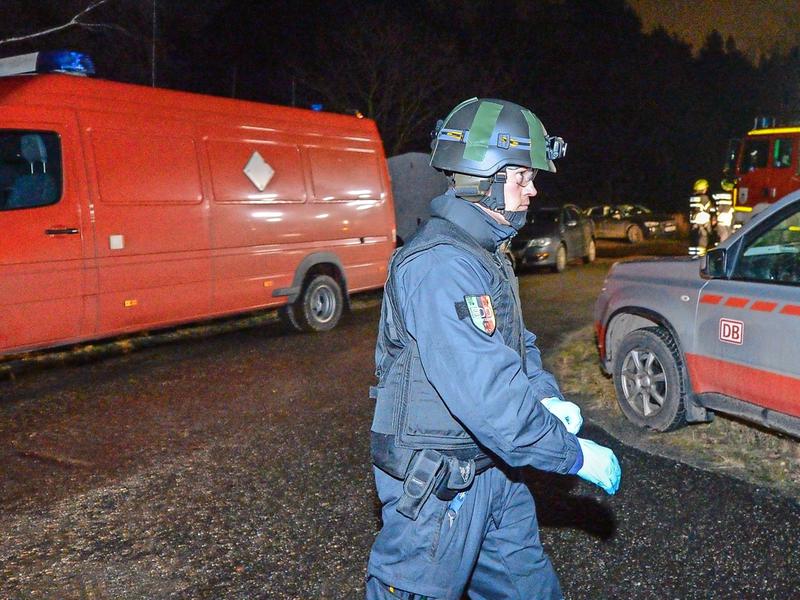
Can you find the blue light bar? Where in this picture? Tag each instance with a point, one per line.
(65, 61)
(57, 61)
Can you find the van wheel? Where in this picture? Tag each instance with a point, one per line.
(318, 308)
(650, 380)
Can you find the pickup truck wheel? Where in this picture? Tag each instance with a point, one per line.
(591, 253)
(561, 259)
(650, 379)
(318, 308)
(634, 234)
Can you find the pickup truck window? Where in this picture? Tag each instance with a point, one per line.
(775, 255)
(30, 169)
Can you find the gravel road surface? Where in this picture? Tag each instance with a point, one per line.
(237, 466)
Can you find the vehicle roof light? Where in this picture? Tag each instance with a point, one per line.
(56, 61)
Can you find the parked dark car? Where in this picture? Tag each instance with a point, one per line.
(632, 222)
(552, 237)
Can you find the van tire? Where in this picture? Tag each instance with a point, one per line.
(650, 380)
(318, 308)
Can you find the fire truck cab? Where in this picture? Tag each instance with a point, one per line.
(764, 166)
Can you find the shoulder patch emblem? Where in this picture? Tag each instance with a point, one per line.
(481, 313)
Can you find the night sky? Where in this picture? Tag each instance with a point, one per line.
(643, 113)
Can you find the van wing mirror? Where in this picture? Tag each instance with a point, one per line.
(715, 263)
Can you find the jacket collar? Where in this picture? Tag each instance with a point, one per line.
(488, 232)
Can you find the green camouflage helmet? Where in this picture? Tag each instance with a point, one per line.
(481, 136)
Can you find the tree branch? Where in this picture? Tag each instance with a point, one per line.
(73, 22)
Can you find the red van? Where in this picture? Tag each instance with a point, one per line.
(125, 207)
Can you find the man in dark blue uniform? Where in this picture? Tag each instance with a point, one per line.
(462, 400)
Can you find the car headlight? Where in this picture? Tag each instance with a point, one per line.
(651, 224)
(539, 242)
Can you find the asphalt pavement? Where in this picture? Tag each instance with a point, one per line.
(237, 466)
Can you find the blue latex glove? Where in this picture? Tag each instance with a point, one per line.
(600, 466)
(566, 412)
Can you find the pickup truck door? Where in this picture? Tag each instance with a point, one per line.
(748, 327)
(42, 244)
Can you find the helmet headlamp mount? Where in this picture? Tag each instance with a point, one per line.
(555, 146)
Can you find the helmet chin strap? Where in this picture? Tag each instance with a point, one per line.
(487, 191)
(490, 194)
(496, 201)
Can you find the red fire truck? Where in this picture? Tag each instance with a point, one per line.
(126, 208)
(764, 165)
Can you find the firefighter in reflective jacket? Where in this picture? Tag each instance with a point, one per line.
(723, 209)
(700, 209)
(462, 400)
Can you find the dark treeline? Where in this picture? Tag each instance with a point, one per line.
(643, 115)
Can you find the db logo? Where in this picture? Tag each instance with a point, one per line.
(731, 331)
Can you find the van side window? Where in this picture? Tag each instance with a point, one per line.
(30, 169)
(125, 159)
(276, 166)
(345, 175)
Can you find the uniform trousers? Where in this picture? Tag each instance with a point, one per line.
(489, 549)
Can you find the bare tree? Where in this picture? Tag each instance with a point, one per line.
(375, 66)
(76, 21)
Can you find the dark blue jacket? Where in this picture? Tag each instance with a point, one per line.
(443, 380)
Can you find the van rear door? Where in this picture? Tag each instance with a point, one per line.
(41, 239)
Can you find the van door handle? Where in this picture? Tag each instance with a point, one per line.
(62, 231)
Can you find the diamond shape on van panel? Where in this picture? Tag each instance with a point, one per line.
(258, 171)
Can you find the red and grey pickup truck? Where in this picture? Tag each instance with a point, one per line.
(684, 338)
